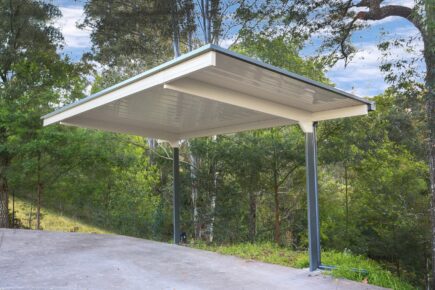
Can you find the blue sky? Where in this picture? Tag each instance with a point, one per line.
(362, 76)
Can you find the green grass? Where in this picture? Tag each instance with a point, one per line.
(345, 262)
(51, 220)
(265, 252)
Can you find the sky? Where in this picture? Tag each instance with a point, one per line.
(361, 76)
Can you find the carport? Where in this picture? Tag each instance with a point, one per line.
(212, 91)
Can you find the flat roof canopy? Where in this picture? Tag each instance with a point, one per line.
(206, 92)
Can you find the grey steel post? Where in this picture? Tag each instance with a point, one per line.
(176, 198)
(312, 199)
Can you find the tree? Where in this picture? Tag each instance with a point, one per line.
(124, 32)
(280, 156)
(340, 19)
(380, 209)
(32, 78)
(132, 35)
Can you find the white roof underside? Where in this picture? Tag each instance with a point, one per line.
(207, 92)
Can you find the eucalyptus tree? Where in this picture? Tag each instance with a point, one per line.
(279, 152)
(338, 20)
(130, 36)
(124, 31)
(151, 31)
(32, 77)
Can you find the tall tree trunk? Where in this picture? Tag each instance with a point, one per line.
(152, 144)
(427, 274)
(204, 15)
(208, 15)
(429, 55)
(252, 215)
(212, 217)
(194, 195)
(190, 20)
(346, 181)
(13, 209)
(430, 104)
(215, 22)
(213, 200)
(277, 213)
(4, 200)
(4, 193)
(38, 205)
(175, 28)
(39, 195)
(107, 204)
(30, 215)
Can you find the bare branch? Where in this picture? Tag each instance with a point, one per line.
(379, 13)
(346, 35)
(376, 12)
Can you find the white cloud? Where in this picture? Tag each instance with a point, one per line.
(362, 75)
(225, 43)
(74, 37)
(407, 3)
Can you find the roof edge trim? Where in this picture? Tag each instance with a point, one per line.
(140, 76)
(199, 51)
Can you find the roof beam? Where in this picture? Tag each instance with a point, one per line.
(357, 110)
(235, 98)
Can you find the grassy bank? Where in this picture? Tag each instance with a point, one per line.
(50, 220)
(347, 264)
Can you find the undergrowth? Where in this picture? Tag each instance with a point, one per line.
(348, 265)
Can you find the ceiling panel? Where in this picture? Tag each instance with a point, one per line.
(174, 113)
(207, 92)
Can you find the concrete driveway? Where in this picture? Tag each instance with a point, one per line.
(51, 260)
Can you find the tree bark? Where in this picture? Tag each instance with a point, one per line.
(277, 215)
(38, 206)
(13, 210)
(346, 203)
(30, 215)
(39, 195)
(4, 200)
(194, 195)
(252, 216)
(152, 144)
(4, 193)
(212, 217)
(175, 28)
(429, 55)
(213, 200)
(426, 27)
(430, 107)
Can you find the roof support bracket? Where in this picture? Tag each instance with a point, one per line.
(306, 126)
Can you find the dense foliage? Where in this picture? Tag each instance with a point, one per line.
(249, 186)
(350, 266)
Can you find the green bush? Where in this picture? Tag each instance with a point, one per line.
(347, 265)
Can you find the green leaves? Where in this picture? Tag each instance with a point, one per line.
(377, 167)
(129, 30)
(282, 52)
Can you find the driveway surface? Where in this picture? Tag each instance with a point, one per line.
(54, 260)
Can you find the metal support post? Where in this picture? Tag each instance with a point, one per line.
(176, 198)
(312, 199)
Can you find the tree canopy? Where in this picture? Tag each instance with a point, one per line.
(374, 178)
